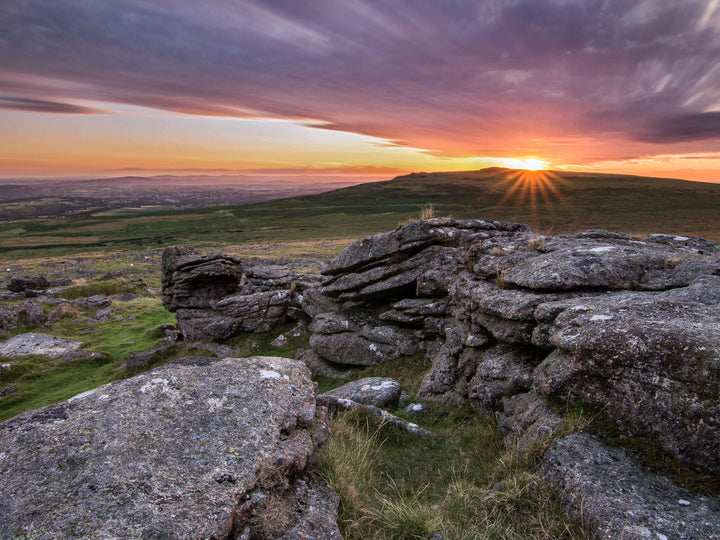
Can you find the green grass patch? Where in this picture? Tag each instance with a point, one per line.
(395, 485)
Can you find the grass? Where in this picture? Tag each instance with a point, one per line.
(394, 485)
(462, 484)
(557, 202)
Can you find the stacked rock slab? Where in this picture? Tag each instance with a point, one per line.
(390, 290)
(218, 296)
(183, 451)
(629, 324)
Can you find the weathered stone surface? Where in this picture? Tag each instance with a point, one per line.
(501, 370)
(525, 419)
(172, 453)
(579, 262)
(411, 238)
(381, 392)
(64, 310)
(92, 302)
(321, 367)
(334, 402)
(257, 312)
(193, 281)
(24, 283)
(32, 343)
(340, 340)
(651, 360)
(617, 497)
(449, 375)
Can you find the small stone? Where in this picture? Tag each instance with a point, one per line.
(279, 341)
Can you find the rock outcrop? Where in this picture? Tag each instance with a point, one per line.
(219, 296)
(629, 324)
(184, 451)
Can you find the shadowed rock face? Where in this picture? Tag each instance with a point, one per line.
(219, 296)
(173, 453)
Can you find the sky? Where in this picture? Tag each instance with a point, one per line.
(365, 87)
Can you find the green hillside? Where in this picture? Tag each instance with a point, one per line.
(548, 201)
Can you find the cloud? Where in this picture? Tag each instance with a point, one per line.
(455, 77)
(684, 127)
(44, 106)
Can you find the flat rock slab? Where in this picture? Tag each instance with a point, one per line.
(172, 453)
(381, 392)
(617, 497)
(32, 343)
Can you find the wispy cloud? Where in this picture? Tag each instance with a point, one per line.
(44, 106)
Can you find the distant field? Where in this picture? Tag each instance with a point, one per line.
(549, 202)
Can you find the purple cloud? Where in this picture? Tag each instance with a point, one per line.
(43, 106)
(456, 77)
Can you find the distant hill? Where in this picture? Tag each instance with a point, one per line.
(554, 201)
(549, 201)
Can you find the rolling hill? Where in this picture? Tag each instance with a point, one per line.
(549, 201)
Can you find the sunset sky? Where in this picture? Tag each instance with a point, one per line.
(369, 87)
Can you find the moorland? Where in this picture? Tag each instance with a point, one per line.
(109, 251)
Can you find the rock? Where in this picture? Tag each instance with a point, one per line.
(43, 344)
(313, 302)
(24, 283)
(7, 390)
(524, 420)
(650, 360)
(300, 329)
(193, 281)
(616, 497)
(30, 313)
(380, 392)
(579, 262)
(92, 302)
(103, 315)
(502, 370)
(143, 358)
(340, 340)
(323, 368)
(173, 453)
(63, 310)
(336, 403)
(411, 238)
(415, 410)
(257, 312)
(279, 341)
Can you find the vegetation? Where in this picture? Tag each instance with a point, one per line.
(548, 201)
(462, 484)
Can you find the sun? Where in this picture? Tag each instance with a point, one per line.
(529, 164)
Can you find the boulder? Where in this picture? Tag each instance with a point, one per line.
(616, 497)
(193, 281)
(183, 451)
(43, 344)
(25, 283)
(650, 360)
(322, 368)
(381, 392)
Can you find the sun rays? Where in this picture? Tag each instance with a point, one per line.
(531, 188)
